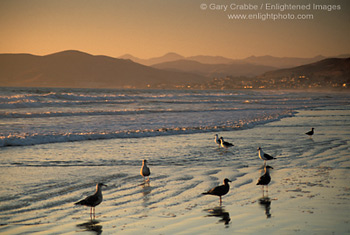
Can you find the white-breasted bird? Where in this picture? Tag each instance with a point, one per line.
(217, 140)
(225, 144)
(264, 156)
(145, 171)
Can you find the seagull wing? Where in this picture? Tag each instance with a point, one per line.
(268, 157)
(145, 171)
(88, 201)
(309, 133)
(218, 190)
(264, 180)
(229, 144)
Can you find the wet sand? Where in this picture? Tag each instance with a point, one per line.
(309, 192)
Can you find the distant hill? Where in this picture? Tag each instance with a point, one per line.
(328, 73)
(332, 69)
(81, 70)
(269, 61)
(211, 59)
(171, 57)
(156, 60)
(78, 69)
(281, 62)
(215, 70)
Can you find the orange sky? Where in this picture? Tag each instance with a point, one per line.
(151, 28)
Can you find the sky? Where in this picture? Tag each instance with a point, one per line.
(152, 28)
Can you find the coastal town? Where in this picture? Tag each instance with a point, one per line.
(297, 82)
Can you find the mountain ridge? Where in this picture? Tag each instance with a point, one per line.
(329, 73)
(334, 67)
(79, 69)
(266, 60)
(215, 70)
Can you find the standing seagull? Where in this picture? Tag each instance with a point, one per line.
(265, 179)
(264, 156)
(145, 171)
(93, 200)
(310, 133)
(225, 144)
(220, 190)
(217, 140)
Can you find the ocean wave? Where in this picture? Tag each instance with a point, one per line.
(117, 95)
(67, 99)
(34, 139)
(27, 103)
(117, 112)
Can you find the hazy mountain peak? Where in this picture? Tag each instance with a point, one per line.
(128, 57)
(69, 52)
(173, 54)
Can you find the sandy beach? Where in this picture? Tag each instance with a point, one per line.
(309, 192)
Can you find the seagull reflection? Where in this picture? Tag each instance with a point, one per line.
(219, 212)
(146, 190)
(265, 179)
(145, 184)
(92, 226)
(265, 202)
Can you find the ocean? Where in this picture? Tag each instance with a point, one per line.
(40, 116)
(56, 144)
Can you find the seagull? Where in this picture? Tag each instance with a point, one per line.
(220, 190)
(310, 133)
(145, 171)
(217, 140)
(93, 200)
(264, 156)
(225, 144)
(265, 179)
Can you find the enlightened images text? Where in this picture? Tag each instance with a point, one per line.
(270, 7)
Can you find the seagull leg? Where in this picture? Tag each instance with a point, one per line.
(263, 190)
(220, 200)
(267, 190)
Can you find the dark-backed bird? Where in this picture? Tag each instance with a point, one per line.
(93, 200)
(264, 156)
(265, 179)
(310, 133)
(225, 144)
(217, 140)
(145, 171)
(220, 190)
